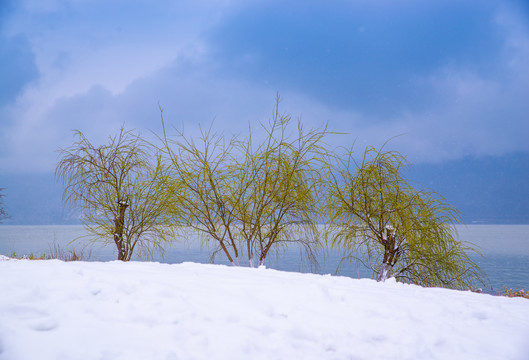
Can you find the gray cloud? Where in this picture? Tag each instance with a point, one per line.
(359, 56)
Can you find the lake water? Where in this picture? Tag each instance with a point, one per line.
(505, 250)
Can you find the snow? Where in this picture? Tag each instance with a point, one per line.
(51, 309)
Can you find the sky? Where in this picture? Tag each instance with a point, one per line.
(449, 78)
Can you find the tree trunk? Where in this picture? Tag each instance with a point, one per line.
(226, 252)
(119, 224)
(389, 254)
(249, 250)
(384, 272)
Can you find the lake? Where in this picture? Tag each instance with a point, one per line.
(505, 250)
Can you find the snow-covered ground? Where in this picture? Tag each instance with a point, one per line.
(140, 310)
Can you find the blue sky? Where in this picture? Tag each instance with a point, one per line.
(451, 76)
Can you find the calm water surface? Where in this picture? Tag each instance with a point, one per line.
(505, 250)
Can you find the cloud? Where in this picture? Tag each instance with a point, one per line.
(452, 77)
(189, 93)
(88, 55)
(449, 76)
(355, 55)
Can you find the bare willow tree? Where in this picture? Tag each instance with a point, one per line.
(379, 219)
(249, 200)
(120, 189)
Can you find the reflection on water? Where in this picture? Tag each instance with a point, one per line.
(505, 250)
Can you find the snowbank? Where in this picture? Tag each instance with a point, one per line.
(88, 310)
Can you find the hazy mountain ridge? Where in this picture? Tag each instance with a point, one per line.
(487, 190)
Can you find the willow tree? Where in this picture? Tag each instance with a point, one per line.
(280, 180)
(248, 199)
(120, 189)
(380, 219)
(202, 168)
